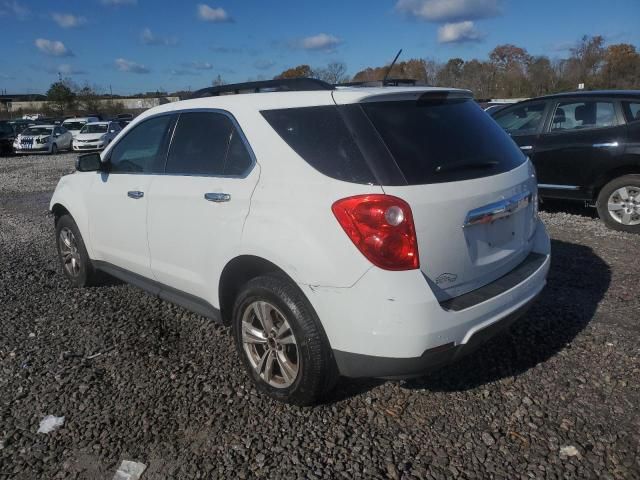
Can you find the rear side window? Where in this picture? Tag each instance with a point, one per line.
(443, 140)
(631, 111)
(522, 119)
(583, 115)
(207, 143)
(319, 135)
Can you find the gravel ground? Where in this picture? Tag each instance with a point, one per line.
(558, 396)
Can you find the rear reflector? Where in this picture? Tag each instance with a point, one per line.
(382, 228)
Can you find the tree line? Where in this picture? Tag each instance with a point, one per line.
(509, 72)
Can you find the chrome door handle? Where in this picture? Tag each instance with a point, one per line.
(605, 145)
(526, 147)
(217, 197)
(135, 194)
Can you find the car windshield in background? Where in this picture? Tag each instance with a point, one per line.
(521, 120)
(94, 128)
(37, 131)
(443, 140)
(73, 125)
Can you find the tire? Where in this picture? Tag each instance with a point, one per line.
(625, 214)
(315, 369)
(74, 259)
(54, 149)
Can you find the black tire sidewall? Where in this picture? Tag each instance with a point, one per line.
(86, 268)
(54, 149)
(313, 351)
(603, 199)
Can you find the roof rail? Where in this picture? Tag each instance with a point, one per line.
(389, 82)
(279, 85)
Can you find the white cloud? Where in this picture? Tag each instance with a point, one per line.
(148, 38)
(129, 66)
(14, 9)
(65, 69)
(459, 32)
(213, 14)
(119, 2)
(450, 10)
(198, 65)
(54, 48)
(68, 20)
(321, 41)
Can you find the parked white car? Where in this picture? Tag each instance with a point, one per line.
(364, 232)
(96, 136)
(43, 138)
(74, 125)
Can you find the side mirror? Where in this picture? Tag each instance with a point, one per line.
(89, 163)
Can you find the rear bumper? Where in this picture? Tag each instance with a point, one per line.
(355, 365)
(390, 324)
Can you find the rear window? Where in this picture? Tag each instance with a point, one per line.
(443, 140)
(320, 136)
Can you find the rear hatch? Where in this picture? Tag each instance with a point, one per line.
(471, 190)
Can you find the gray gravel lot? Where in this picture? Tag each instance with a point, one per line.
(558, 396)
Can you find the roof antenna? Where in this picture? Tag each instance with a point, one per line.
(384, 80)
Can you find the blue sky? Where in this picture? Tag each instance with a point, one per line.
(144, 45)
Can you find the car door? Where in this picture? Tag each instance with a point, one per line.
(118, 201)
(583, 136)
(524, 122)
(198, 207)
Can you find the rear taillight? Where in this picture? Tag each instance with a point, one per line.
(382, 228)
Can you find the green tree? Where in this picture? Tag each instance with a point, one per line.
(61, 95)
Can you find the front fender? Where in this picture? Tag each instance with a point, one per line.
(69, 194)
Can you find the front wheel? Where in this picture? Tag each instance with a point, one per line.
(619, 204)
(281, 342)
(74, 259)
(54, 149)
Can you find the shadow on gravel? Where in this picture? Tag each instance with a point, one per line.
(578, 280)
(552, 205)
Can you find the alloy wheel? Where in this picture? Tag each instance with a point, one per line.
(69, 252)
(270, 344)
(624, 205)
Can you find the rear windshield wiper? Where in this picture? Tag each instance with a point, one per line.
(466, 165)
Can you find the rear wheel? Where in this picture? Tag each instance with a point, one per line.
(619, 204)
(281, 342)
(74, 259)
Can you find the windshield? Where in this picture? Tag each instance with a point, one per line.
(74, 125)
(37, 131)
(94, 128)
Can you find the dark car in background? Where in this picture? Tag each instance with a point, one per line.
(585, 146)
(20, 124)
(7, 135)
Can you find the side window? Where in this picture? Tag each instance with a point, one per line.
(201, 143)
(62, 130)
(583, 115)
(631, 111)
(56, 131)
(521, 119)
(143, 148)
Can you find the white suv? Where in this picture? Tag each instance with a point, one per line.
(339, 230)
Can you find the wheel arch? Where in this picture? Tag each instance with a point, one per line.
(58, 210)
(612, 174)
(237, 272)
